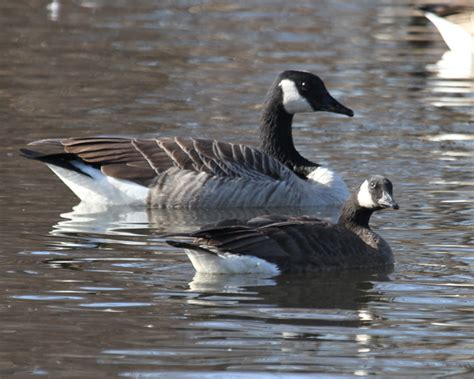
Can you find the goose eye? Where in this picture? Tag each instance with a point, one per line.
(373, 185)
(303, 85)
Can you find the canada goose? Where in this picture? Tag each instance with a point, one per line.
(277, 244)
(185, 172)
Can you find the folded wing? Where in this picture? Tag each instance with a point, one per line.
(142, 160)
(289, 242)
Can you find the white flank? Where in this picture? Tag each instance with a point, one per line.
(293, 102)
(99, 188)
(364, 197)
(333, 188)
(226, 263)
(327, 177)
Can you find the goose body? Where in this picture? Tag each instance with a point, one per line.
(197, 173)
(276, 244)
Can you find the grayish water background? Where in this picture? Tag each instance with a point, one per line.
(89, 293)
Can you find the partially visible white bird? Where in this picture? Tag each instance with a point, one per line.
(456, 25)
(53, 9)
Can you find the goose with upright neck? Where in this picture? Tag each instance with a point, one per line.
(293, 92)
(276, 244)
(185, 172)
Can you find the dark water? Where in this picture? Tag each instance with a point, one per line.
(95, 293)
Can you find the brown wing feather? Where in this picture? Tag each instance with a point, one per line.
(140, 175)
(116, 157)
(176, 153)
(142, 160)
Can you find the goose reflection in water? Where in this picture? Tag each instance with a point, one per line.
(346, 290)
(305, 303)
(109, 220)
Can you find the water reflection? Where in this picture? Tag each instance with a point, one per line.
(323, 290)
(453, 65)
(86, 219)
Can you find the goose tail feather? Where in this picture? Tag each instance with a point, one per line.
(60, 160)
(189, 246)
(88, 182)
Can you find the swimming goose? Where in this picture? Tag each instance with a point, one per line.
(276, 244)
(185, 172)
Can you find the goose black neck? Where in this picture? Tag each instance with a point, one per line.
(276, 138)
(355, 216)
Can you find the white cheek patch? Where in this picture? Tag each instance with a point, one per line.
(364, 197)
(292, 100)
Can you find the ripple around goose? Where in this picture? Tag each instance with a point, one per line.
(186, 172)
(274, 244)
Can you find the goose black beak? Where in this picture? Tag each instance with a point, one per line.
(330, 104)
(395, 206)
(387, 202)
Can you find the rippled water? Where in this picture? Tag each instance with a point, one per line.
(94, 292)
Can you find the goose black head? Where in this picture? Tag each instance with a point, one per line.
(376, 193)
(306, 92)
